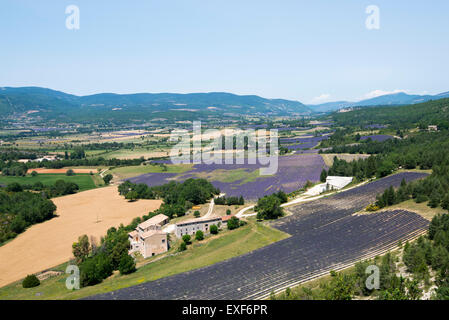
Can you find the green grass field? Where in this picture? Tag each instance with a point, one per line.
(133, 171)
(84, 181)
(226, 245)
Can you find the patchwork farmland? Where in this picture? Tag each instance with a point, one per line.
(325, 235)
(244, 179)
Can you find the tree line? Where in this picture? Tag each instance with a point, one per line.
(178, 197)
(19, 210)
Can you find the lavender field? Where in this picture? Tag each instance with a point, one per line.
(244, 179)
(298, 144)
(377, 137)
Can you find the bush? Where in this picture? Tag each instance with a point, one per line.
(33, 173)
(95, 269)
(182, 247)
(30, 281)
(127, 264)
(132, 196)
(196, 214)
(199, 235)
(421, 198)
(14, 187)
(372, 207)
(233, 223)
(107, 178)
(70, 172)
(228, 212)
(186, 238)
(213, 229)
(269, 207)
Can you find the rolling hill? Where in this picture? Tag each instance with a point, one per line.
(47, 103)
(400, 98)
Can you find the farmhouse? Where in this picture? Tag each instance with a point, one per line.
(192, 226)
(148, 238)
(432, 128)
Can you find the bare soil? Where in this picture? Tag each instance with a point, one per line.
(48, 244)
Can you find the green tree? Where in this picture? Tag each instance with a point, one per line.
(127, 264)
(341, 287)
(14, 187)
(70, 172)
(186, 238)
(196, 214)
(182, 246)
(199, 235)
(107, 178)
(323, 175)
(233, 223)
(434, 200)
(132, 196)
(213, 229)
(81, 249)
(269, 207)
(445, 202)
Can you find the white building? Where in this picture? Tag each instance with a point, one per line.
(148, 238)
(190, 227)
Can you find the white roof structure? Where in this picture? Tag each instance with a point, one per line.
(332, 183)
(338, 182)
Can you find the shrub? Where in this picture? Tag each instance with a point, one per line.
(421, 198)
(372, 207)
(94, 269)
(196, 214)
(33, 173)
(107, 178)
(269, 207)
(70, 172)
(186, 238)
(132, 196)
(233, 223)
(228, 212)
(182, 247)
(30, 281)
(127, 264)
(14, 187)
(213, 229)
(199, 235)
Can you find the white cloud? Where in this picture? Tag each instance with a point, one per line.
(321, 98)
(378, 93)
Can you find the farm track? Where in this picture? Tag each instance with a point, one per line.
(325, 235)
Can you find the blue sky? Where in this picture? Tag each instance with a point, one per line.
(311, 51)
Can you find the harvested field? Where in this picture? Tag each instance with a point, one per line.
(63, 170)
(48, 244)
(325, 235)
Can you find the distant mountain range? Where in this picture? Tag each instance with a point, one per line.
(43, 104)
(35, 101)
(400, 98)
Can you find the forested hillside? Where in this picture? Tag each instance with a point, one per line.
(423, 114)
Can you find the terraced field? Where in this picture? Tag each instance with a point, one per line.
(326, 235)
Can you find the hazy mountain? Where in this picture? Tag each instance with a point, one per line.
(42, 102)
(400, 98)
